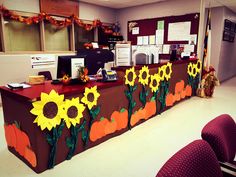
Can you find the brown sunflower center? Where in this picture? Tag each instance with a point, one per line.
(190, 69)
(130, 77)
(90, 97)
(198, 65)
(72, 112)
(50, 110)
(144, 75)
(161, 73)
(154, 83)
(168, 70)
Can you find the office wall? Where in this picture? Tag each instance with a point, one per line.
(91, 12)
(161, 9)
(227, 57)
(17, 67)
(217, 22)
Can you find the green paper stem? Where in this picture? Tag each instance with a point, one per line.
(72, 142)
(132, 103)
(156, 100)
(92, 116)
(52, 141)
(164, 91)
(143, 95)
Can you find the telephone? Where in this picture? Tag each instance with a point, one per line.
(107, 75)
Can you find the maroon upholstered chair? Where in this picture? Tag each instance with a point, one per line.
(46, 74)
(220, 133)
(197, 159)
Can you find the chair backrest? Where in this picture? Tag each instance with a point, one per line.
(220, 133)
(197, 159)
(46, 74)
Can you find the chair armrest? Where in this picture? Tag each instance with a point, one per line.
(228, 166)
(227, 172)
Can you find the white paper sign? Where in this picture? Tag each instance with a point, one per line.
(135, 30)
(145, 40)
(166, 49)
(179, 31)
(188, 48)
(159, 36)
(193, 39)
(140, 40)
(152, 39)
(43, 61)
(75, 64)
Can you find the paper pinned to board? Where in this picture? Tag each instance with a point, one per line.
(135, 30)
(140, 40)
(145, 40)
(159, 37)
(179, 31)
(152, 39)
(188, 48)
(166, 49)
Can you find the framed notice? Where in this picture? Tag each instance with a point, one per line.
(63, 8)
(179, 31)
(227, 25)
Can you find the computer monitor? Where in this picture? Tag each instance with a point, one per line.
(173, 55)
(69, 65)
(93, 60)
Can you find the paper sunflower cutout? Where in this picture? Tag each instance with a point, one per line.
(198, 66)
(168, 71)
(73, 112)
(48, 110)
(90, 97)
(130, 76)
(162, 72)
(190, 69)
(194, 71)
(144, 75)
(155, 82)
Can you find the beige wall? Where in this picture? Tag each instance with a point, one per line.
(227, 58)
(161, 9)
(92, 12)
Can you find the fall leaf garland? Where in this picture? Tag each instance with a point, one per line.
(58, 23)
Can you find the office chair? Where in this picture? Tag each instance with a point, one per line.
(46, 74)
(197, 159)
(220, 133)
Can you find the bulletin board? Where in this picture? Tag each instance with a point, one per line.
(147, 27)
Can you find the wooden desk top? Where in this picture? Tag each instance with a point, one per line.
(35, 91)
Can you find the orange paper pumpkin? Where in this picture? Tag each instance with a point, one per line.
(170, 99)
(188, 90)
(179, 86)
(150, 108)
(110, 127)
(30, 156)
(98, 129)
(121, 118)
(10, 135)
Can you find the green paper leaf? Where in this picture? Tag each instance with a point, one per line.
(147, 93)
(134, 87)
(82, 126)
(62, 125)
(84, 135)
(69, 143)
(133, 104)
(49, 139)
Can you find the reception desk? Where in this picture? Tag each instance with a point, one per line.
(47, 124)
